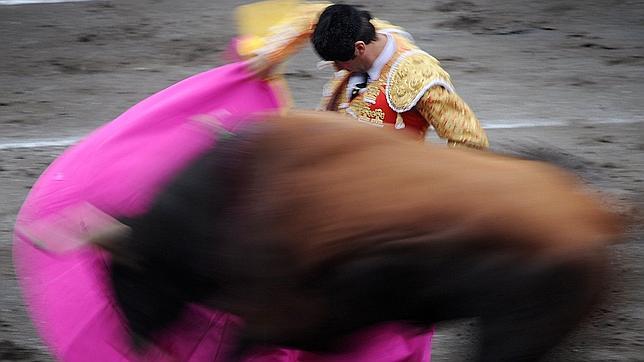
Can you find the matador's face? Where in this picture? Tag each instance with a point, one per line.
(359, 63)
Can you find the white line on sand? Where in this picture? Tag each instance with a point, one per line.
(39, 143)
(23, 2)
(500, 124)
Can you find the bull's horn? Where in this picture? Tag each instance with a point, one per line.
(114, 239)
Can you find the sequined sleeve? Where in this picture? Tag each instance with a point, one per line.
(452, 118)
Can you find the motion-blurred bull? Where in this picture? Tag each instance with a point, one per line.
(310, 227)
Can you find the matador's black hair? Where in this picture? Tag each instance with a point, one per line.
(339, 28)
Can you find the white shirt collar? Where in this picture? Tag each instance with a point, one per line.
(382, 59)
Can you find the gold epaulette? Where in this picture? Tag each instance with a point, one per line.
(387, 27)
(413, 74)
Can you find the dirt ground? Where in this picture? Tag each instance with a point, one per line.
(565, 74)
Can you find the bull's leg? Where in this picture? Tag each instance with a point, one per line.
(526, 303)
(532, 304)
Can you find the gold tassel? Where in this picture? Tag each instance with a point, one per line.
(400, 124)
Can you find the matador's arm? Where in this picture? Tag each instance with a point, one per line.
(452, 118)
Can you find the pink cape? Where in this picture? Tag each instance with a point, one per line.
(119, 168)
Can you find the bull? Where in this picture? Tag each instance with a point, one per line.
(310, 228)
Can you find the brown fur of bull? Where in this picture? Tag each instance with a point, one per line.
(311, 227)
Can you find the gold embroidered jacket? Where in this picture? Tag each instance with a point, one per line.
(413, 92)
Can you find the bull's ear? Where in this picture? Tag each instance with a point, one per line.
(115, 239)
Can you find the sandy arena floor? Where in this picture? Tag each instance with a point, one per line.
(567, 74)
